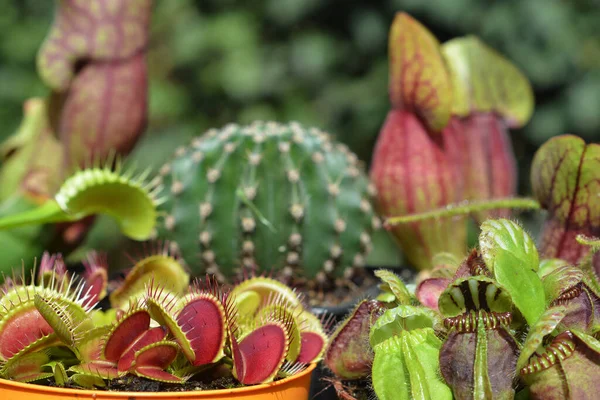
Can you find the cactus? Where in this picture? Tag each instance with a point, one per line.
(273, 197)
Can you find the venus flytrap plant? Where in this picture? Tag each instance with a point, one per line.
(99, 190)
(163, 333)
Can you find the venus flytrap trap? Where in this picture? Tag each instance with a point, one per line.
(167, 332)
(99, 190)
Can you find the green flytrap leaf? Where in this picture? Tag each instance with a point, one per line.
(402, 318)
(485, 81)
(413, 356)
(565, 179)
(397, 287)
(510, 254)
(543, 327)
(98, 190)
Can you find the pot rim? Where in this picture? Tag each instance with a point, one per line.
(69, 391)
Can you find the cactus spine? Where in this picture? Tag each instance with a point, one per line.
(268, 197)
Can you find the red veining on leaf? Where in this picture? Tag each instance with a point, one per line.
(565, 180)
(100, 30)
(483, 152)
(349, 354)
(412, 173)
(419, 81)
(104, 109)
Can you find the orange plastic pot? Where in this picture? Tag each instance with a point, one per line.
(293, 388)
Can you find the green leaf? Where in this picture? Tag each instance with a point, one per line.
(543, 327)
(413, 356)
(427, 92)
(510, 253)
(485, 81)
(396, 286)
(399, 319)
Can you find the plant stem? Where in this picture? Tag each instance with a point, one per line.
(47, 212)
(466, 207)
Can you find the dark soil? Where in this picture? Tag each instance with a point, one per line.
(336, 292)
(131, 383)
(351, 390)
(137, 384)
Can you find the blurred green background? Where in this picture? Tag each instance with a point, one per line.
(322, 62)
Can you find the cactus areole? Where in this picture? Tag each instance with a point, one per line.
(268, 197)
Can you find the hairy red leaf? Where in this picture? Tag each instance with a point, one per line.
(311, 347)
(152, 335)
(125, 333)
(259, 355)
(203, 322)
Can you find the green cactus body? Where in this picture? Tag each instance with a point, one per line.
(268, 197)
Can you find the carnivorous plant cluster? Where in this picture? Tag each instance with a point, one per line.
(159, 327)
(507, 324)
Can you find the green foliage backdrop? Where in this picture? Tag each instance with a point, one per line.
(322, 62)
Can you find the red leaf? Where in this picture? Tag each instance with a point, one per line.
(22, 329)
(152, 335)
(428, 292)
(203, 322)
(258, 357)
(125, 333)
(312, 345)
(485, 156)
(151, 360)
(159, 355)
(413, 173)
